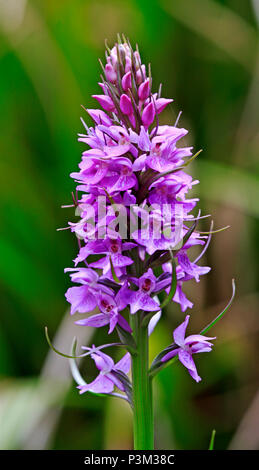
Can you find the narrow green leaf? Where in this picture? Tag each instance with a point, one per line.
(56, 350)
(188, 233)
(165, 173)
(80, 381)
(115, 278)
(113, 203)
(208, 327)
(214, 231)
(192, 158)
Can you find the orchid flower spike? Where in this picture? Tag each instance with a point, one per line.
(135, 230)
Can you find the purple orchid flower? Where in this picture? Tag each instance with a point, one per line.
(188, 346)
(108, 142)
(162, 154)
(132, 230)
(109, 313)
(83, 298)
(107, 379)
(112, 247)
(167, 189)
(191, 269)
(182, 276)
(133, 208)
(112, 175)
(141, 299)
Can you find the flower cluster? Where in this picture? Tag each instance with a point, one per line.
(133, 232)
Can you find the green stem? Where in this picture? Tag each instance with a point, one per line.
(143, 426)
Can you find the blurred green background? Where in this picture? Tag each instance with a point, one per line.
(206, 53)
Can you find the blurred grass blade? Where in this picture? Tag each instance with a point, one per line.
(212, 20)
(228, 185)
(212, 440)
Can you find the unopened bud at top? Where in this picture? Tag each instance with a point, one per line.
(144, 90)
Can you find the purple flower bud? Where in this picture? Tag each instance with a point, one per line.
(132, 120)
(137, 59)
(140, 74)
(128, 64)
(144, 90)
(148, 114)
(99, 117)
(126, 81)
(105, 101)
(103, 87)
(126, 105)
(110, 73)
(161, 104)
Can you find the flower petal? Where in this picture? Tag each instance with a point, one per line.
(179, 332)
(101, 319)
(102, 361)
(124, 364)
(186, 359)
(153, 322)
(170, 355)
(100, 385)
(123, 323)
(81, 299)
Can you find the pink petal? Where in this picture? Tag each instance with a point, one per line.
(194, 375)
(179, 332)
(126, 105)
(102, 361)
(143, 302)
(110, 73)
(100, 385)
(117, 150)
(99, 117)
(198, 338)
(144, 90)
(124, 364)
(187, 360)
(123, 323)
(105, 101)
(96, 321)
(126, 81)
(170, 355)
(144, 141)
(161, 104)
(81, 299)
(119, 260)
(139, 163)
(153, 322)
(148, 114)
(113, 322)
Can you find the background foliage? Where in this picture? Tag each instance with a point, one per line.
(206, 53)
